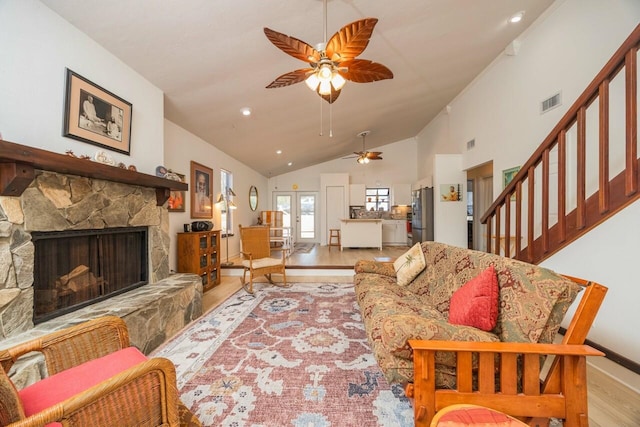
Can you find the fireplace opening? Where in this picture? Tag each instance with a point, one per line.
(75, 268)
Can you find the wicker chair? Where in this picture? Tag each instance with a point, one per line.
(256, 253)
(95, 378)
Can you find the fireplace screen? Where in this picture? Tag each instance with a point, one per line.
(73, 269)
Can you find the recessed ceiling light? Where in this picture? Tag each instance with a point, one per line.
(289, 164)
(278, 151)
(246, 111)
(517, 17)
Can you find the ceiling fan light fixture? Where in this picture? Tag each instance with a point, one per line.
(325, 87)
(312, 82)
(325, 73)
(337, 81)
(363, 159)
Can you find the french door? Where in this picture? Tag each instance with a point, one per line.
(300, 213)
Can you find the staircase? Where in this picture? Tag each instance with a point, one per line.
(584, 172)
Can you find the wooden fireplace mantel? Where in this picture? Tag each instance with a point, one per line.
(19, 162)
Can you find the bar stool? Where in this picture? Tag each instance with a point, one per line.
(334, 237)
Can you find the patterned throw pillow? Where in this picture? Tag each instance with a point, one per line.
(409, 265)
(476, 303)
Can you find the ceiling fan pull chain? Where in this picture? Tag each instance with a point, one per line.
(330, 121)
(320, 116)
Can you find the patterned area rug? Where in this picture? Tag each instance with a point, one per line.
(285, 357)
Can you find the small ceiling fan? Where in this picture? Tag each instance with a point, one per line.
(364, 156)
(333, 62)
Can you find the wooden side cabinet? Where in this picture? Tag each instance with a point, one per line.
(199, 253)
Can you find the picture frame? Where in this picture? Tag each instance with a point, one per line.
(96, 116)
(177, 201)
(450, 192)
(507, 177)
(201, 190)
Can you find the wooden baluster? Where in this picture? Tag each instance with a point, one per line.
(631, 108)
(545, 201)
(518, 218)
(498, 229)
(530, 212)
(489, 222)
(603, 148)
(507, 227)
(581, 169)
(562, 186)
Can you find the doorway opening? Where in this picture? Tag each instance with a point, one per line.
(479, 198)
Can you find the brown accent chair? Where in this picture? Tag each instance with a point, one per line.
(256, 251)
(141, 391)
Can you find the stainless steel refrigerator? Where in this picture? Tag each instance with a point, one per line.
(422, 215)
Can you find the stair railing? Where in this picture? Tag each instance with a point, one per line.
(565, 188)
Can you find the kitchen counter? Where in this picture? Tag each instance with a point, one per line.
(361, 233)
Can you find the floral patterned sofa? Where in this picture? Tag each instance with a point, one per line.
(531, 304)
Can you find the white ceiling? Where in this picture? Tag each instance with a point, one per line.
(211, 58)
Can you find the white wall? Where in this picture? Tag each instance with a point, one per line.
(36, 46)
(433, 139)
(180, 148)
(398, 166)
(450, 218)
(562, 51)
(608, 255)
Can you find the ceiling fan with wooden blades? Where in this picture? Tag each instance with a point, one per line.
(332, 63)
(364, 156)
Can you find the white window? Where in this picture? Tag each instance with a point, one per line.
(377, 199)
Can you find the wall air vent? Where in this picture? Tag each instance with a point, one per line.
(471, 144)
(551, 103)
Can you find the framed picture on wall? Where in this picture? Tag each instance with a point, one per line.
(176, 201)
(507, 177)
(94, 115)
(201, 191)
(450, 192)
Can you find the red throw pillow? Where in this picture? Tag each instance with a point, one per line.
(476, 303)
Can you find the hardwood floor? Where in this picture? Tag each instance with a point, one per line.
(614, 392)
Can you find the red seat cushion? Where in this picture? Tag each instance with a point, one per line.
(462, 415)
(63, 385)
(476, 303)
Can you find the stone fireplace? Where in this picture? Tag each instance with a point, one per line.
(58, 202)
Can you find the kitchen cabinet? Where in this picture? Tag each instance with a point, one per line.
(402, 194)
(394, 232)
(356, 194)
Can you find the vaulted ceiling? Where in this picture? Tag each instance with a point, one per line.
(211, 59)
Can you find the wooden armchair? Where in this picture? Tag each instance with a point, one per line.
(256, 251)
(94, 379)
(524, 391)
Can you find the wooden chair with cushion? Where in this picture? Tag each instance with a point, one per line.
(95, 378)
(256, 251)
